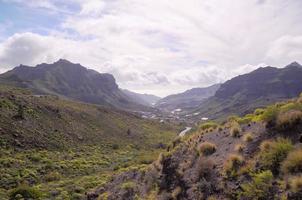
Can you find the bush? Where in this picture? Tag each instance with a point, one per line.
(128, 185)
(293, 163)
(208, 125)
(235, 130)
(259, 188)
(273, 153)
(288, 120)
(25, 192)
(239, 148)
(270, 115)
(232, 165)
(207, 148)
(52, 176)
(296, 184)
(248, 137)
(204, 168)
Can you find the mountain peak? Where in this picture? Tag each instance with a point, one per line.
(294, 64)
(62, 60)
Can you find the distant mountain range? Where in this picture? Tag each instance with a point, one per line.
(187, 100)
(73, 81)
(259, 88)
(144, 99)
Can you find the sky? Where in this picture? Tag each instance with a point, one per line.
(153, 46)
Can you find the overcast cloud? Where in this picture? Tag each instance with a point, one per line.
(153, 46)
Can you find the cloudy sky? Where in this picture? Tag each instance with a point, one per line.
(153, 46)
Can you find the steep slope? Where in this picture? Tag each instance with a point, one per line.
(261, 87)
(70, 80)
(65, 147)
(187, 100)
(246, 158)
(144, 99)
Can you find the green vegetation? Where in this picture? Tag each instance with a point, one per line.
(207, 148)
(273, 153)
(232, 165)
(259, 188)
(60, 149)
(208, 125)
(293, 163)
(25, 192)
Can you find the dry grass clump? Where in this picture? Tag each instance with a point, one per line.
(239, 148)
(288, 120)
(296, 184)
(293, 163)
(176, 192)
(248, 137)
(207, 148)
(266, 145)
(235, 129)
(233, 164)
(204, 168)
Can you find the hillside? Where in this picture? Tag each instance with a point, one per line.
(144, 99)
(73, 81)
(242, 94)
(258, 156)
(63, 148)
(187, 100)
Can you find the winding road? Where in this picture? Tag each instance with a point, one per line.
(182, 133)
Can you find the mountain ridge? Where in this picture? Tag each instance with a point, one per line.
(70, 80)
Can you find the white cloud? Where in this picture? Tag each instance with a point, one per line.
(164, 46)
(287, 47)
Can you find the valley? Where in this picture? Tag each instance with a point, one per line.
(61, 138)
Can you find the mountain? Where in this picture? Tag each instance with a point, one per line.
(144, 99)
(63, 148)
(243, 158)
(258, 88)
(188, 99)
(73, 81)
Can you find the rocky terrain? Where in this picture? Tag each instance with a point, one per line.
(243, 158)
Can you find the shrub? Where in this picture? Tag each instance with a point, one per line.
(176, 192)
(25, 192)
(259, 188)
(235, 130)
(232, 165)
(259, 111)
(293, 163)
(208, 125)
(270, 115)
(207, 148)
(265, 145)
(296, 184)
(272, 154)
(248, 137)
(204, 168)
(288, 120)
(128, 185)
(239, 148)
(52, 176)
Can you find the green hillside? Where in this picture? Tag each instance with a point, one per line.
(60, 148)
